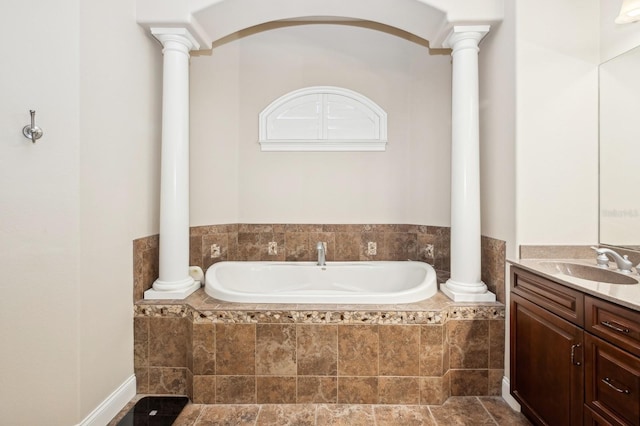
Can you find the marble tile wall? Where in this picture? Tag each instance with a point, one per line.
(145, 264)
(296, 242)
(236, 357)
(493, 258)
(276, 358)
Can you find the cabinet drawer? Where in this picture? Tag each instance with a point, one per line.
(613, 323)
(612, 382)
(565, 302)
(591, 418)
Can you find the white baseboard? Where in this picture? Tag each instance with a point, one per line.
(506, 394)
(111, 406)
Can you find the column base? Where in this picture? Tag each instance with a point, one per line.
(460, 292)
(179, 290)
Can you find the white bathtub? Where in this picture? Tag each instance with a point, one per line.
(306, 282)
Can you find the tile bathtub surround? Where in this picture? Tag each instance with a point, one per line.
(297, 242)
(225, 353)
(146, 252)
(493, 262)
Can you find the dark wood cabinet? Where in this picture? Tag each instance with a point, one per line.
(575, 359)
(612, 366)
(546, 364)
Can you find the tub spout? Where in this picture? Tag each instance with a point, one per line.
(322, 251)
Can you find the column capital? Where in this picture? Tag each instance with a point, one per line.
(178, 35)
(470, 33)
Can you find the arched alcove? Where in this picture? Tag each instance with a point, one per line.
(182, 27)
(211, 20)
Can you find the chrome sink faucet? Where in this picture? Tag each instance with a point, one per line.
(322, 252)
(623, 262)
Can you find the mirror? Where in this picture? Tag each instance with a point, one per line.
(620, 150)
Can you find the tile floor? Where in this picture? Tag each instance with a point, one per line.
(456, 411)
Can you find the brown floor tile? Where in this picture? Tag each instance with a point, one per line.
(345, 415)
(458, 411)
(228, 415)
(189, 415)
(405, 415)
(502, 413)
(285, 415)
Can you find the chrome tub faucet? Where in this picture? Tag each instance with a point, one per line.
(322, 252)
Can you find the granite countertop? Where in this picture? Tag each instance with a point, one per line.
(627, 295)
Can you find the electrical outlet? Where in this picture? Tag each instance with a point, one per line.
(215, 251)
(428, 251)
(273, 248)
(372, 248)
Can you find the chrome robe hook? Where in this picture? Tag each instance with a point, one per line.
(32, 131)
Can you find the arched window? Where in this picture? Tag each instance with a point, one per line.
(323, 118)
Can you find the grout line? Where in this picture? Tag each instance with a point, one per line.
(435, 422)
(200, 413)
(487, 411)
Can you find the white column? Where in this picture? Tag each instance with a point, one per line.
(174, 281)
(465, 284)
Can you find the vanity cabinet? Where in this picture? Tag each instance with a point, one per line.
(612, 362)
(575, 359)
(546, 350)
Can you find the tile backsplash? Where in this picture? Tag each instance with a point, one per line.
(297, 242)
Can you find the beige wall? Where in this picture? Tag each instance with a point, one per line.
(120, 116)
(233, 181)
(497, 130)
(73, 202)
(539, 124)
(39, 218)
(557, 121)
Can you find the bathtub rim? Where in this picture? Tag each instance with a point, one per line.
(427, 289)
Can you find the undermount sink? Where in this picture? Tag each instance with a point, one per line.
(587, 272)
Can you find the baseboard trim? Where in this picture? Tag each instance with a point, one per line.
(506, 394)
(111, 406)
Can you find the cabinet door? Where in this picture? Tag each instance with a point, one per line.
(546, 365)
(612, 378)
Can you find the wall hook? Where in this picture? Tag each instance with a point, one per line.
(32, 131)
